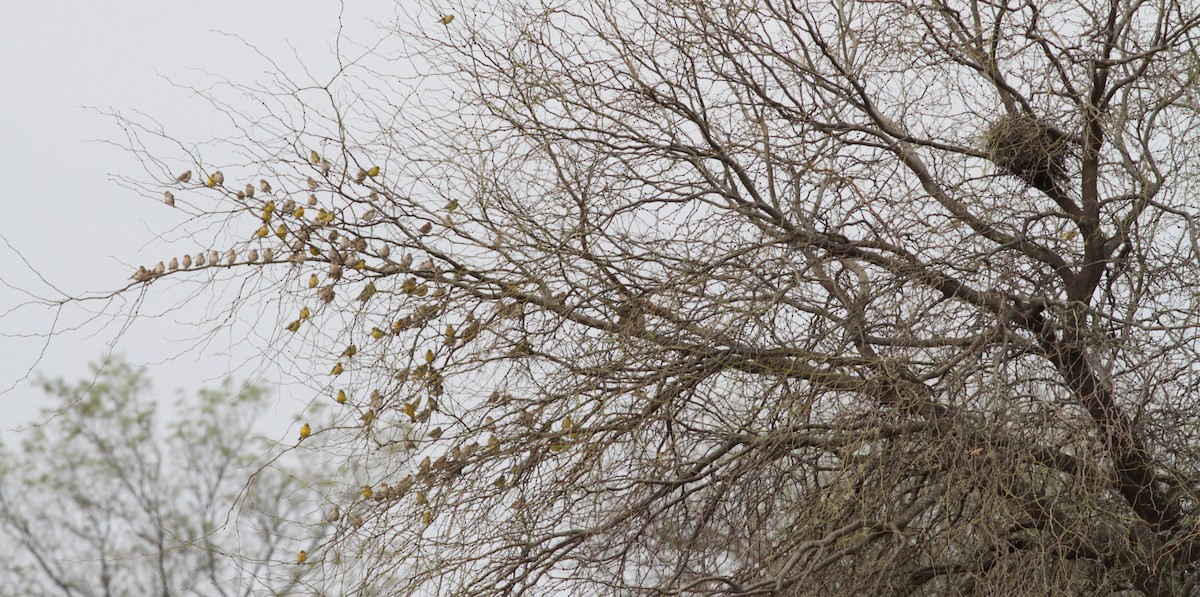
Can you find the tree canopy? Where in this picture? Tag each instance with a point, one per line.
(734, 297)
(105, 497)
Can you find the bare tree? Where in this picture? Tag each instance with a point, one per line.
(740, 297)
(104, 499)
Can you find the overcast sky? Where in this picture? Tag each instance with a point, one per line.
(68, 228)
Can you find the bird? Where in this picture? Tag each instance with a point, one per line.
(169, 199)
(264, 185)
(214, 257)
(268, 255)
(631, 314)
(159, 269)
(252, 256)
(141, 275)
(446, 20)
(376, 333)
(334, 514)
(326, 293)
(373, 171)
(262, 231)
(231, 257)
(313, 280)
(187, 261)
(313, 184)
(337, 369)
(218, 178)
(406, 260)
(301, 557)
(174, 265)
(199, 259)
(367, 292)
(305, 313)
(367, 493)
(341, 397)
(186, 176)
(305, 431)
(312, 201)
(425, 228)
(249, 191)
(314, 157)
(350, 351)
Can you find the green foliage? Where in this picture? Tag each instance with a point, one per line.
(108, 496)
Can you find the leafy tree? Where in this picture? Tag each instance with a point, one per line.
(736, 297)
(103, 498)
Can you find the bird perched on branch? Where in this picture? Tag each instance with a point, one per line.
(631, 314)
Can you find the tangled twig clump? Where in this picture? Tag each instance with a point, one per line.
(1027, 148)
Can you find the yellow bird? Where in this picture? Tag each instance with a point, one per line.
(299, 213)
(294, 326)
(446, 19)
(281, 231)
(429, 356)
(350, 351)
(341, 397)
(305, 313)
(337, 369)
(452, 205)
(313, 280)
(262, 232)
(301, 557)
(367, 292)
(367, 493)
(376, 333)
(1070, 234)
(373, 171)
(305, 431)
(314, 157)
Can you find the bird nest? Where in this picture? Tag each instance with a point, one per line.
(1027, 148)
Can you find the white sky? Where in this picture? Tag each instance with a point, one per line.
(64, 63)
